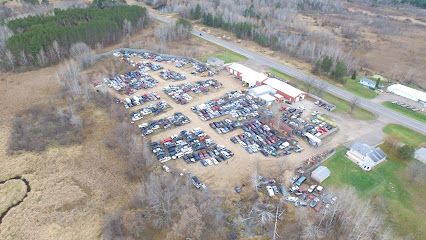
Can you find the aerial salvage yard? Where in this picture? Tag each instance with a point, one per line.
(209, 126)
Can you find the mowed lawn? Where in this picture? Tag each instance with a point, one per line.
(388, 186)
(419, 116)
(356, 88)
(226, 55)
(341, 105)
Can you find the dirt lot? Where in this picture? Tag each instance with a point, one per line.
(224, 177)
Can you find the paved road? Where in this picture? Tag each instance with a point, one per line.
(330, 88)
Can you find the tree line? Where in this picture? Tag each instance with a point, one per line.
(45, 39)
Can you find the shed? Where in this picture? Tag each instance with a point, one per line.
(286, 90)
(369, 83)
(215, 62)
(420, 155)
(320, 174)
(407, 92)
(246, 74)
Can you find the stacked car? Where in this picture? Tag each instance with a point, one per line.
(172, 75)
(192, 146)
(141, 99)
(180, 93)
(153, 109)
(259, 137)
(225, 126)
(154, 126)
(131, 81)
(237, 104)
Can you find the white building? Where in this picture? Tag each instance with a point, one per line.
(420, 155)
(246, 74)
(365, 156)
(286, 90)
(407, 92)
(320, 174)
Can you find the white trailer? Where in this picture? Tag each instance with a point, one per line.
(313, 140)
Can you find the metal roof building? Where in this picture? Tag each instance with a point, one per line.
(320, 174)
(286, 90)
(246, 74)
(407, 92)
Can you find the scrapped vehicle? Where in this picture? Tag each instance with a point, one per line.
(270, 191)
(292, 199)
(166, 168)
(314, 202)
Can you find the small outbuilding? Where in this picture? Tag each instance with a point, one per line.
(261, 90)
(320, 174)
(420, 155)
(365, 156)
(215, 62)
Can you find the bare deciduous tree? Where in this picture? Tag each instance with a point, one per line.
(353, 104)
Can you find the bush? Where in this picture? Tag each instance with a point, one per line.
(406, 152)
(36, 128)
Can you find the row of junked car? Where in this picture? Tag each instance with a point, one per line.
(259, 137)
(325, 105)
(407, 106)
(225, 126)
(313, 196)
(172, 75)
(153, 109)
(140, 99)
(192, 146)
(239, 105)
(179, 61)
(131, 82)
(154, 126)
(312, 129)
(180, 93)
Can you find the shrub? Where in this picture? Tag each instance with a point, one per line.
(36, 128)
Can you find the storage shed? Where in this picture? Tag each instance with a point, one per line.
(245, 74)
(289, 92)
(320, 174)
(407, 92)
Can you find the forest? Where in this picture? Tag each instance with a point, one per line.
(45, 39)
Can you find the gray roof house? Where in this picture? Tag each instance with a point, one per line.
(320, 174)
(365, 156)
(369, 83)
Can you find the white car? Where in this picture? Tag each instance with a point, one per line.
(166, 168)
(270, 191)
(291, 199)
(312, 188)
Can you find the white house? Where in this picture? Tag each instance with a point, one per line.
(365, 156)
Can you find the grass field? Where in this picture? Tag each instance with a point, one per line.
(388, 186)
(356, 88)
(341, 105)
(404, 134)
(227, 56)
(419, 116)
